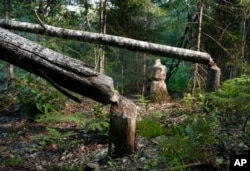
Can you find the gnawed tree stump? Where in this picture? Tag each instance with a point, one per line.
(158, 89)
(122, 127)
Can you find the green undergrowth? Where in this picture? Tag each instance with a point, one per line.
(53, 139)
(14, 159)
(50, 118)
(150, 128)
(37, 96)
(98, 123)
(231, 103)
(192, 141)
(33, 94)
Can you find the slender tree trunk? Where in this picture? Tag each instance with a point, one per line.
(10, 67)
(102, 6)
(122, 70)
(196, 82)
(144, 74)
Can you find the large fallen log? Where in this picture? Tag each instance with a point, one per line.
(65, 72)
(121, 42)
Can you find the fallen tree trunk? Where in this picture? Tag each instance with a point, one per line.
(65, 72)
(121, 42)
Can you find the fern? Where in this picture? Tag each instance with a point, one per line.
(232, 100)
(195, 137)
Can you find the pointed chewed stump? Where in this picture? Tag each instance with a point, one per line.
(158, 90)
(122, 128)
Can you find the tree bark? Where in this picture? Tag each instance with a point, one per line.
(116, 41)
(122, 127)
(122, 42)
(102, 8)
(67, 72)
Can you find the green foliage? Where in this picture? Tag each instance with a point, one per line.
(150, 128)
(231, 101)
(37, 95)
(234, 89)
(193, 102)
(142, 99)
(53, 117)
(179, 78)
(14, 160)
(97, 109)
(98, 125)
(54, 140)
(191, 142)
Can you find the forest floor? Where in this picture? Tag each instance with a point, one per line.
(64, 145)
(77, 139)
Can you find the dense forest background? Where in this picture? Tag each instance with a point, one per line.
(223, 34)
(217, 123)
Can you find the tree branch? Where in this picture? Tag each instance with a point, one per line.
(40, 21)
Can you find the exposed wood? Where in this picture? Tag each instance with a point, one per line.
(158, 89)
(116, 41)
(122, 127)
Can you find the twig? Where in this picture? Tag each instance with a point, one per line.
(218, 43)
(245, 123)
(40, 21)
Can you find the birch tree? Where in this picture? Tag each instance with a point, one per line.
(121, 42)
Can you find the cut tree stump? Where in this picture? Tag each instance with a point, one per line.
(158, 89)
(122, 127)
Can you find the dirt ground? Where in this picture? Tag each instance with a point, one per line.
(19, 150)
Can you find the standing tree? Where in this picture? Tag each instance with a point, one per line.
(102, 9)
(10, 68)
(197, 81)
